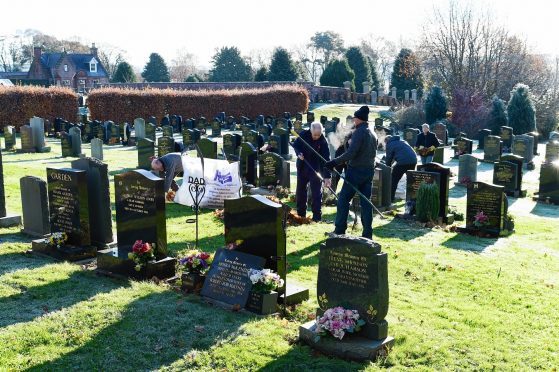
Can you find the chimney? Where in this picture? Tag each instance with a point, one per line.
(37, 52)
(93, 49)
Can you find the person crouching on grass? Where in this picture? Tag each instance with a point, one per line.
(171, 166)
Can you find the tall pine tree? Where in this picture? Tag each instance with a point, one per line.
(435, 105)
(261, 74)
(336, 73)
(498, 116)
(360, 67)
(124, 73)
(521, 110)
(375, 81)
(156, 70)
(228, 65)
(282, 67)
(406, 74)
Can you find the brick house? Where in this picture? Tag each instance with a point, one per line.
(78, 71)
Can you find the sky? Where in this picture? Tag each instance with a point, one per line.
(166, 26)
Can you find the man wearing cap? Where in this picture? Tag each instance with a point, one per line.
(309, 166)
(360, 158)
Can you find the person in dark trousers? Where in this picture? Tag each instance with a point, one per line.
(360, 158)
(308, 164)
(171, 166)
(426, 143)
(401, 152)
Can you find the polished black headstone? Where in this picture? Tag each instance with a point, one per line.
(444, 173)
(310, 117)
(247, 163)
(505, 173)
(482, 134)
(231, 143)
(273, 171)
(69, 204)
(227, 280)
(150, 131)
(441, 132)
(507, 135)
(259, 225)
(552, 151)
(216, 128)
(489, 199)
(463, 146)
(140, 210)
(382, 186)
(167, 131)
(492, 148)
(99, 199)
(414, 179)
(165, 145)
(549, 182)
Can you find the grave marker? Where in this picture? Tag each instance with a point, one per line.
(34, 206)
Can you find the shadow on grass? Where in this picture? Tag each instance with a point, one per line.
(35, 301)
(154, 331)
(10, 262)
(16, 238)
(465, 242)
(399, 228)
(307, 256)
(458, 191)
(302, 357)
(545, 210)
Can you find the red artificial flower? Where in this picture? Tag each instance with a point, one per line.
(204, 256)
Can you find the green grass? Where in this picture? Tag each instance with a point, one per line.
(456, 302)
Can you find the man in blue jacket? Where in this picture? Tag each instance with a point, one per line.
(402, 153)
(360, 158)
(308, 167)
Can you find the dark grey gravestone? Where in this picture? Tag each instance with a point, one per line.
(310, 117)
(165, 145)
(265, 131)
(410, 136)
(146, 150)
(34, 205)
(231, 123)
(330, 126)
(382, 186)
(247, 163)
(97, 148)
(549, 182)
(551, 151)
(439, 155)
(76, 142)
(505, 174)
(507, 135)
(227, 281)
(467, 169)
(323, 119)
(66, 144)
(69, 204)
(26, 134)
(274, 144)
(150, 131)
(519, 162)
(489, 199)
(187, 137)
(208, 148)
(414, 179)
(482, 134)
(523, 146)
(493, 149)
(114, 138)
(99, 199)
(259, 224)
(231, 143)
(463, 146)
(273, 170)
(9, 137)
(440, 131)
(284, 142)
(443, 186)
(254, 139)
(535, 135)
(245, 129)
(282, 123)
(352, 273)
(299, 116)
(167, 131)
(201, 124)
(216, 128)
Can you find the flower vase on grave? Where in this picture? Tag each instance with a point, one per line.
(192, 282)
(262, 303)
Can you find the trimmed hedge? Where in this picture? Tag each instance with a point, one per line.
(124, 105)
(20, 103)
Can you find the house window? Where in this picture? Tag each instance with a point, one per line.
(81, 82)
(93, 67)
(95, 82)
(65, 68)
(66, 82)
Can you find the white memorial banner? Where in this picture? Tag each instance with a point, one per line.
(220, 180)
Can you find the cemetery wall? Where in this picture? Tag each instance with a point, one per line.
(122, 105)
(20, 103)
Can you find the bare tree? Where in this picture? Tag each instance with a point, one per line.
(382, 52)
(183, 65)
(310, 61)
(110, 56)
(12, 53)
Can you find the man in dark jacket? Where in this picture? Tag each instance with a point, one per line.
(426, 143)
(308, 166)
(171, 166)
(360, 158)
(401, 152)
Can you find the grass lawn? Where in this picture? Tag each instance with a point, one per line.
(456, 302)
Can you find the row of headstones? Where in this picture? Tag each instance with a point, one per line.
(32, 137)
